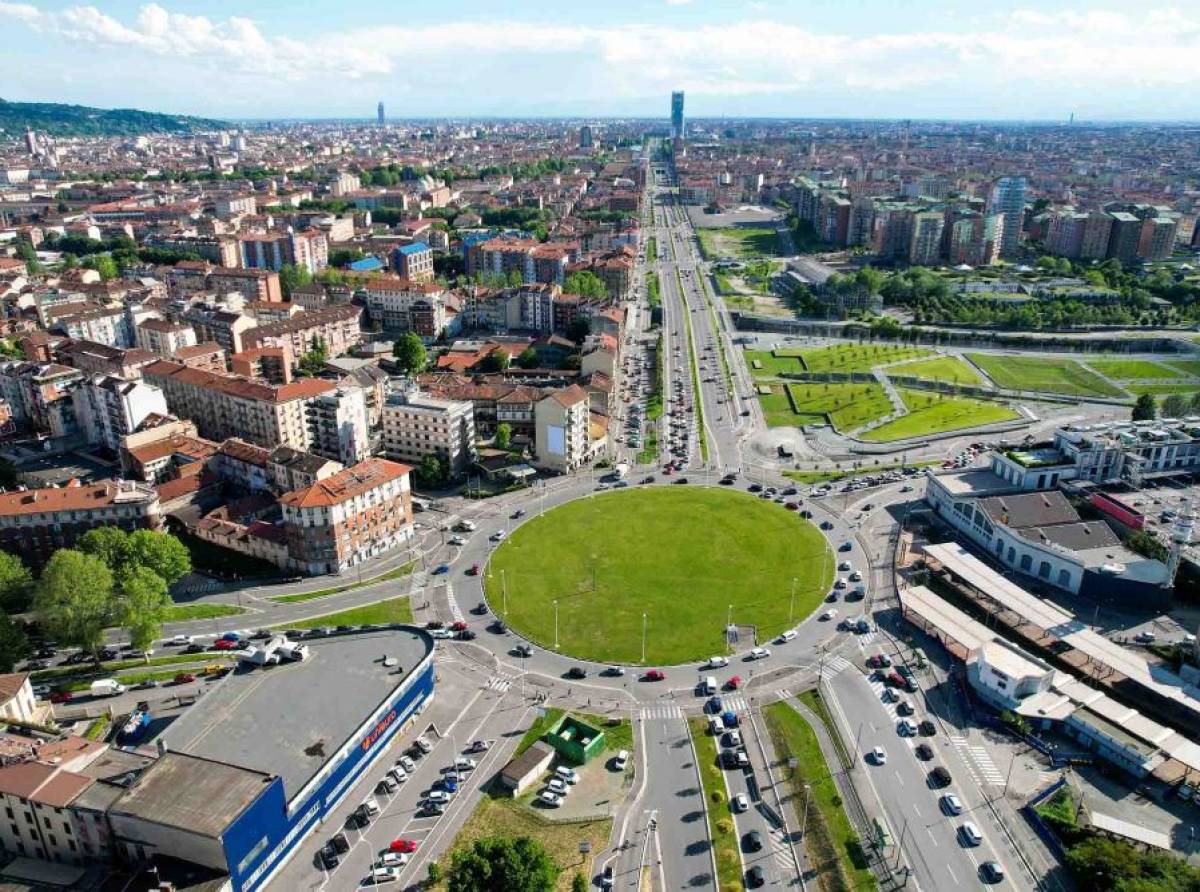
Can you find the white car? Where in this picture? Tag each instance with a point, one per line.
(878, 756)
(407, 764)
(381, 875)
(440, 634)
(392, 859)
(760, 653)
(497, 536)
(740, 802)
(570, 775)
(621, 760)
(557, 786)
(462, 763)
(952, 804)
(716, 663)
(398, 774)
(828, 615)
(439, 796)
(457, 540)
(548, 798)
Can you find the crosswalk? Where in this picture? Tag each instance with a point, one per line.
(736, 703)
(834, 665)
(979, 762)
(782, 852)
(499, 683)
(868, 638)
(661, 711)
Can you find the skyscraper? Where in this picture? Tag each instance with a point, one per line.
(585, 137)
(379, 112)
(677, 124)
(1008, 198)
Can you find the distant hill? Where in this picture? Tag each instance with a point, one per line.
(80, 120)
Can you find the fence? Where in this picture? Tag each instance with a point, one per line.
(1029, 810)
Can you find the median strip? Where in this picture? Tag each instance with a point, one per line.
(721, 832)
(398, 573)
(697, 396)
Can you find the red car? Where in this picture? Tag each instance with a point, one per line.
(473, 570)
(894, 679)
(655, 675)
(184, 678)
(734, 683)
(459, 626)
(61, 697)
(405, 846)
(225, 644)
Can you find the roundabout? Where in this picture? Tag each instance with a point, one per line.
(663, 568)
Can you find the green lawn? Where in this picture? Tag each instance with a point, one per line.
(771, 366)
(849, 406)
(834, 849)
(738, 242)
(701, 431)
(679, 555)
(178, 613)
(1131, 369)
(777, 410)
(1157, 389)
(722, 830)
(1064, 376)
(948, 369)
(857, 357)
(933, 414)
(651, 249)
(653, 294)
(300, 598)
(1187, 366)
(394, 610)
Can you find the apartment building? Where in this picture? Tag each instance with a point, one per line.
(401, 306)
(217, 323)
(308, 249)
(1008, 198)
(221, 250)
(614, 268)
(270, 364)
(503, 256)
(253, 284)
(107, 408)
(225, 406)
(229, 206)
(416, 425)
(1096, 234)
(1157, 238)
(561, 435)
(338, 425)
(926, 245)
(37, 522)
(111, 326)
(356, 514)
(39, 395)
(1124, 237)
(165, 338)
(413, 262)
(337, 328)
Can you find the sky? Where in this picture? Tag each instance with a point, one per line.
(987, 59)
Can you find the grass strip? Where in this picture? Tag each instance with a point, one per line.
(835, 852)
(697, 396)
(654, 410)
(381, 613)
(178, 613)
(651, 249)
(721, 831)
(299, 598)
(813, 700)
(90, 670)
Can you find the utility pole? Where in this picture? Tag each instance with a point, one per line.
(857, 737)
(792, 605)
(643, 638)
(556, 623)
(504, 590)
(900, 847)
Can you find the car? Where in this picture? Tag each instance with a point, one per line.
(716, 663)
(382, 875)
(752, 841)
(464, 763)
(924, 752)
(328, 857)
(441, 569)
(549, 799)
(844, 566)
(458, 626)
(755, 487)
(755, 877)
(927, 728)
(387, 784)
(479, 746)
(991, 871)
(431, 809)
(654, 675)
(144, 685)
(895, 679)
(734, 683)
(407, 764)
(906, 728)
(61, 697)
(682, 481)
(473, 570)
(557, 785)
(440, 634)
(846, 546)
(194, 649)
(498, 536)
(392, 859)
(577, 672)
(904, 708)
(621, 760)
(828, 615)
(442, 796)
(615, 671)
(423, 745)
(570, 775)
(518, 514)
(226, 644)
(940, 777)
(183, 678)
(524, 650)
(405, 846)
(970, 834)
(398, 774)
(733, 737)
(457, 540)
(725, 481)
(739, 803)
(340, 844)
(878, 756)
(826, 525)
(760, 653)
(951, 804)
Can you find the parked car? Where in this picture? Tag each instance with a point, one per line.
(654, 675)
(549, 799)
(576, 672)
(184, 678)
(940, 777)
(924, 752)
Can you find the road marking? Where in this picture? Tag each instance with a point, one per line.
(661, 711)
(499, 683)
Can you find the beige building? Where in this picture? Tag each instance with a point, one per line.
(416, 425)
(336, 327)
(165, 338)
(561, 435)
(224, 406)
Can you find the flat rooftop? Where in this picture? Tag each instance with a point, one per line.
(290, 719)
(974, 482)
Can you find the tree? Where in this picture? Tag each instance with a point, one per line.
(141, 604)
(160, 552)
(410, 354)
(1145, 409)
(578, 883)
(431, 470)
(502, 864)
(503, 435)
(579, 329)
(26, 252)
(1147, 545)
(528, 358)
(110, 544)
(585, 283)
(15, 580)
(292, 276)
(74, 598)
(515, 278)
(14, 644)
(104, 265)
(496, 361)
(1175, 406)
(312, 362)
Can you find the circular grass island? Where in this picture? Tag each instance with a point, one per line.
(683, 556)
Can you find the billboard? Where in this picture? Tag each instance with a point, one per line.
(556, 440)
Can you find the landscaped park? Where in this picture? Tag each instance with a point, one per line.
(687, 558)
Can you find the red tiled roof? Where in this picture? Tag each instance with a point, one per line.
(346, 484)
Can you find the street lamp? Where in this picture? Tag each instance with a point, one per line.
(804, 821)
(792, 605)
(556, 623)
(643, 638)
(504, 591)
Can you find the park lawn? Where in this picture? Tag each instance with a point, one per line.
(502, 816)
(777, 409)
(933, 414)
(1162, 389)
(834, 848)
(857, 357)
(738, 242)
(1064, 376)
(178, 613)
(772, 365)
(679, 555)
(381, 613)
(848, 406)
(1133, 369)
(722, 831)
(1187, 366)
(538, 729)
(947, 369)
(300, 598)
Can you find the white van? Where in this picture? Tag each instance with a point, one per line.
(714, 726)
(787, 636)
(371, 807)
(710, 685)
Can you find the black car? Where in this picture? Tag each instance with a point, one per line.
(435, 624)
(466, 635)
(729, 758)
(754, 877)
(927, 728)
(356, 820)
(498, 627)
(576, 672)
(752, 841)
(328, 857)
(480, 609)
(726, 481)
(649, 479)
(939, 777)
(46, 653)
(790, 491)
(430, 809)
(194, 649)
(344, 629)
(340, 844)
(755, 487)
(680, 481)
(924, 752)
(991, 872)
(606, 878)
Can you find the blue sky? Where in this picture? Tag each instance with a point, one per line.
(794, 58)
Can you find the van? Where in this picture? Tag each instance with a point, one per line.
(714, 726)
(787, 636)
(710, 685)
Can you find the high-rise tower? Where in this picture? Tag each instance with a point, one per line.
(1008, 198)
(677, 124)
(379, 113)
(1181, 537)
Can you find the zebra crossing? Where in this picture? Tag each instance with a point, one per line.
(781, 851)
(979, 762)
(661, 711)
(455, 611)
(500, 683)
(834, 665)
(736, 703)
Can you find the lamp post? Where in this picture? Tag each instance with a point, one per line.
(643, 638)
(556, 623)
(792, 604)
(804, 821)
(504, 592)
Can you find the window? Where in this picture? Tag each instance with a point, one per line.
(1044, 570)
(1026, 562)
(1064, 578)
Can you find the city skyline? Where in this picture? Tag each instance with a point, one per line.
(931, 62)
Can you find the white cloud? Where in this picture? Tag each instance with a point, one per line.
(1082, 52)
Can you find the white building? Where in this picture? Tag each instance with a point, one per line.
(338, 424)
(165, 338)
(561, 435)
(416, 425)
(109, 408)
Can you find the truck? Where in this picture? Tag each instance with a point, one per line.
(293, 651)
(264, 653)
(621, 471)
(106, 687)
(135, 726)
